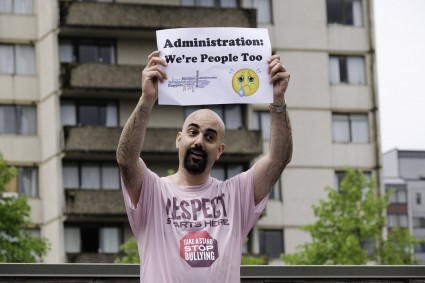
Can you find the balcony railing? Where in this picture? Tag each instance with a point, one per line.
(124, 16)
(94, 203)
(241, 145)
(118, 273)
(100, 77)
(84, 257)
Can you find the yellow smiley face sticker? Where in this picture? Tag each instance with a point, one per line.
(245, 82)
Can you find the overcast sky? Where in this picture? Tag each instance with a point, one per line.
(400, 50)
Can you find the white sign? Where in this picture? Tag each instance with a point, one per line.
(215, 66)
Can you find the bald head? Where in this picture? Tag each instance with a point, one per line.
(200, 143)
(206, 118)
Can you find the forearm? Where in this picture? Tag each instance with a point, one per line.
(133, 134)
(130, 146)
(280, 146)
(269, 168)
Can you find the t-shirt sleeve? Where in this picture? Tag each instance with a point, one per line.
(243, 184)
(137, 216)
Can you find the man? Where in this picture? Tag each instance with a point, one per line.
(190, 227)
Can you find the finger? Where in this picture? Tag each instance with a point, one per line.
(276, 68)
(273, 64)
(157, 61)
(154, 54)
(154, 59)
(155, 72)
(281, 76)
(273, 57)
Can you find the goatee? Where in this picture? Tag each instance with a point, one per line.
(195, 166)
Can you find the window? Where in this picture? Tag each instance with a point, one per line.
(25, 183)
(247, 244)
(211, 3)
(345, 12)
(28, 181)
(100, 1)
(90, 175)
(72, 240)
(17, 59)
(231, 114)
(18, 120)
(276, 191)
(396, 220)
(86, 50)
(369, 246)
(399, 194)
(34, 232)
(271, 243)
(340, 175)
(420, 248)
(350, 128)
(347, 69)
(91, 238)
(226, 171)
(263, 7)
(264, 11)
(98, 113)
(17, 6)
(262, 122)
(418, 197)
(418, 222)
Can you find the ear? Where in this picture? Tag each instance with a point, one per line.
(220, 151)
(178, 139)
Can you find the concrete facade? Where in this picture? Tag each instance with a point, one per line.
(404, 170)
(300, 34)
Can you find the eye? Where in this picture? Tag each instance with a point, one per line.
(251, 79)
(241, 79)
(192, 133)
(210, 137)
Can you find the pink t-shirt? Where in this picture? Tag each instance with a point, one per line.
(192, 234)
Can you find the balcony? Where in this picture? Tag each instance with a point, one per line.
(241, 145)
(94, 203)
(121, 18)
(90, 257)
(124, 273)
(100, 79)
(397, 208)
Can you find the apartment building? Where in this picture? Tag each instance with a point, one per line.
(70, 78)
(404, 173)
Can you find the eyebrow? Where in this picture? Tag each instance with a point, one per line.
(194, 125)
(198, 127)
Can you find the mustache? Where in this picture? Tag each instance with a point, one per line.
(197, 150)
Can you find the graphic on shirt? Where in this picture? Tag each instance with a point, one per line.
(199, 249)
(197, 212)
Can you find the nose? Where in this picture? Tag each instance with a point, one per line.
(199, 141)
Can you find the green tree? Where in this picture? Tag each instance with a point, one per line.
(253, 260)
(16, 244)
(131, 253)
(346, 221)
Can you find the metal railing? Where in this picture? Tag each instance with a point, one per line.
(102, 273)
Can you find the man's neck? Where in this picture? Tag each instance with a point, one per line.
(184, 178)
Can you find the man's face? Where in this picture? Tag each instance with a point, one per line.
(200, 142)
(195, 160)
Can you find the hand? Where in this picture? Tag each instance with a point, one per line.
(151, 74)
(279, 77)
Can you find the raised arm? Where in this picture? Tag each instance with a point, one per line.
(133, 134)
(270, 166)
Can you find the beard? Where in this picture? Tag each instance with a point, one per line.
(195, 166)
